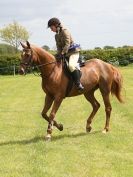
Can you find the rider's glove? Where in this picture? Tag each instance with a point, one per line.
(59, 57)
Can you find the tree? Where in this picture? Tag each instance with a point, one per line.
(7, 49)
(13, 34)
(126, 46)
(108, 47)
(46, 47)
(97, 48)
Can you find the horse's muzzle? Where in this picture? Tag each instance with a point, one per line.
(21, 71)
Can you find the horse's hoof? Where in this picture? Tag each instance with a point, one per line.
(48, 138)
(88, 129)
(104, 131)
(60, 127)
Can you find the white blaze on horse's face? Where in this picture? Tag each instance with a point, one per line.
(25, 54)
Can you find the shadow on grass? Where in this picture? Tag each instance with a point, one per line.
(55, 138)
(42, 138)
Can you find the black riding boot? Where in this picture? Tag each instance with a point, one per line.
(76, 78)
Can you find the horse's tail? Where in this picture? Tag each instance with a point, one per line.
(117, 83)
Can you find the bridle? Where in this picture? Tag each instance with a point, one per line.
(30, 62)
(31, 65)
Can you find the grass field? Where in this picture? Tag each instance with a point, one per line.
(71, 153)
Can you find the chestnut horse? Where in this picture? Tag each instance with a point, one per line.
(95, 74)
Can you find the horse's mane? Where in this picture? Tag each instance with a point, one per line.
(42, 52)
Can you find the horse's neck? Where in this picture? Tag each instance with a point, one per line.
(46, 62)
(44, 57)
(52, 72)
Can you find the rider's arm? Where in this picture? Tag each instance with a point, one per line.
(67, 40)
(58, 45)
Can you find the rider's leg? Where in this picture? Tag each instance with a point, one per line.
(76, 78)
(73, 63)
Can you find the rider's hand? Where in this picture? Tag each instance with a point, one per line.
(58, 56)
(63, 55)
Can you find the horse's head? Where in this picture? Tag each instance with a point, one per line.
(26, 58)
(33, 56)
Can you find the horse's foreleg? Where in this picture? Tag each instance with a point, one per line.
(56, 105)
(48, 103)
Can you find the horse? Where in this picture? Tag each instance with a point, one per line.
(96, 74)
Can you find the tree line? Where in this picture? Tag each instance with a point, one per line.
(118, 56)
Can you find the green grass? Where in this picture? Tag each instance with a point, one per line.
(71, 153)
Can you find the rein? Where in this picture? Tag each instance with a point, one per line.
(45, 64)
(31, 66)
(37, 66)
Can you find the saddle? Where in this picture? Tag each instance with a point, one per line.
(81, 63)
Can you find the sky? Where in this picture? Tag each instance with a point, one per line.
(92, 23)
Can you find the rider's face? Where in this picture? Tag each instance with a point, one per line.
(53, 28)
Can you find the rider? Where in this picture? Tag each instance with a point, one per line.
(66, 47)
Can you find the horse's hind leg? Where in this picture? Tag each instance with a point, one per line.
(95, 105)
(105, 94)
(108, 110)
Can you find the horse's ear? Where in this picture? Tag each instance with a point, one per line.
(24, 46)
(28, 44)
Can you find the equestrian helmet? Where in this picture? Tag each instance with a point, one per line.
(54, 21)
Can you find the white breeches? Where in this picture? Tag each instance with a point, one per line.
(73, 61)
